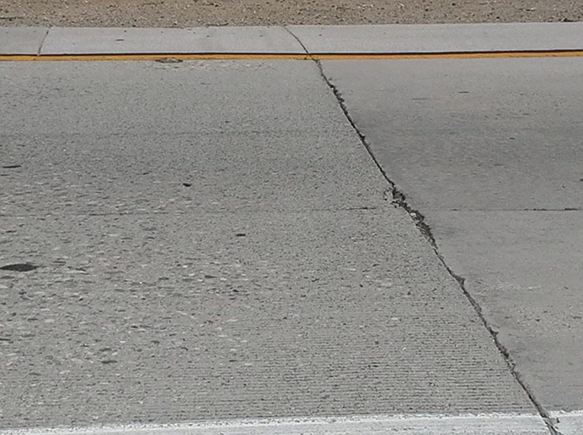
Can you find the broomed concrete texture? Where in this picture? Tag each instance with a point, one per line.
(214, 242)
(431, 38)
(489, 150)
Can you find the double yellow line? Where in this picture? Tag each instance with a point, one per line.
(283, 56)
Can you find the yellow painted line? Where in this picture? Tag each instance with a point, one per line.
(285, 56)
(475, 55)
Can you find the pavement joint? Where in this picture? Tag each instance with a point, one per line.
(42, 42)
(299, 41)
(399, 200)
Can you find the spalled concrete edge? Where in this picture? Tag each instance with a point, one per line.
(375, 39)
(568, 423)
(486, 424)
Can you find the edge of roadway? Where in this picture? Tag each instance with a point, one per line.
(294, 42)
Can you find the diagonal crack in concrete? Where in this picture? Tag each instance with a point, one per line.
(399, 200)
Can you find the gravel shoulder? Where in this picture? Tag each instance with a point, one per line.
(195, 13)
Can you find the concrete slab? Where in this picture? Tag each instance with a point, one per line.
(569, 423)
(192, 316)
(195, 40)
(488, 150)
(524, 269)
(436, 38)
(317, 39)
(21, 40)
(205, 108)
(472, 134)
(211, 241)
(493, 424)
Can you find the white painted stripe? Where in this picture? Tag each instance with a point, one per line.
(568, 423)
(484, 424)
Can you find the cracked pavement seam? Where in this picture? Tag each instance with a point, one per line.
(42, 43)
(399, 200)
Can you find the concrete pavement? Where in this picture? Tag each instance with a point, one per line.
(205, 251)
(496, 424)
(431, 38)
(489, 151)
(221, 225)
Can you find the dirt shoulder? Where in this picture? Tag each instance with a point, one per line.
(194, 13)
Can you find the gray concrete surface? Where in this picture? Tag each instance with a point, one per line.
(490, 152)
(495, 424)
(21, 40)
(473, 134)
(570, 423)
(525, 269)
(211, 241)
(438, 38)
(67, 40)
(430, 38)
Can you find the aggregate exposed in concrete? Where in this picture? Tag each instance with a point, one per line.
(212, 240)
